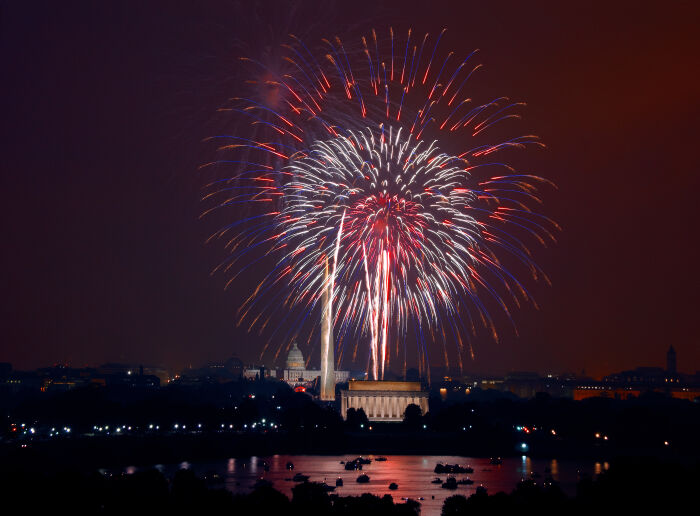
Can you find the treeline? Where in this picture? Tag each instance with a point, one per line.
(484, 423)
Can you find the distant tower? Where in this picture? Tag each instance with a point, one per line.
(671, 360)
(327, 354)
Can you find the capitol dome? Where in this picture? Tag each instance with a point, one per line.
(295, 360)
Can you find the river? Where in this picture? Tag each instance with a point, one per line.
(412, 473)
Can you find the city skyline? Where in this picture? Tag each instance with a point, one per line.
(315, 362)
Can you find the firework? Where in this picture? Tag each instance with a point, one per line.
(378, 175)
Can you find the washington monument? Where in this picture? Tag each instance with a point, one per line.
(327, 354)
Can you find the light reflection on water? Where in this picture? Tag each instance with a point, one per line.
(413, 474)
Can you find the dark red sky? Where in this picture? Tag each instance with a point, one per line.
(104, 107)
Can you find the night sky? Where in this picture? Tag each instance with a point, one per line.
(105, 105)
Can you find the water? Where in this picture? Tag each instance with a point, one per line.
(413, 474)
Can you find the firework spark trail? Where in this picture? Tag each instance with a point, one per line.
(373, 311)
(415, 235)
(331, 287)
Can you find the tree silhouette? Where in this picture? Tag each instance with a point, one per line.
(356, 418)
(413, 417)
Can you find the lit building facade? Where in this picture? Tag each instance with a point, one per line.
(296, 373)
(383, 401)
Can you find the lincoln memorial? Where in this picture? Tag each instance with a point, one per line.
(383, 401)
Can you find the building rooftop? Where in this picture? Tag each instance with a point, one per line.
(369, 385)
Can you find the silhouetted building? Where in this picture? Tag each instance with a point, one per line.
(257, 372)
(671, 361)
(635, 382)
(640, 376)
(22, 381)
(649, 377)
(234, 365)
(527, 384)
(5, 370)
(144, 381)
(523, 384)
(112, 368)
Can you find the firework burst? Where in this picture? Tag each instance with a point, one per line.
(372, 183)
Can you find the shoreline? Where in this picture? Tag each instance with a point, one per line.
(91, 453)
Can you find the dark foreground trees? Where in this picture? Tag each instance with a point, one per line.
(149, 492)
(631, 486)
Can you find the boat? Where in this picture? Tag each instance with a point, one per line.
(452, 468)
(465, 481)
(300, 478)
(363, 479)
(290, 465)
(496, 461)
(393, 486)
(421, 498)
(450, 483)
(327, 487)
(380, 459)
(436, 480)
(338, 482)
(351, 465)
(360, 460)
